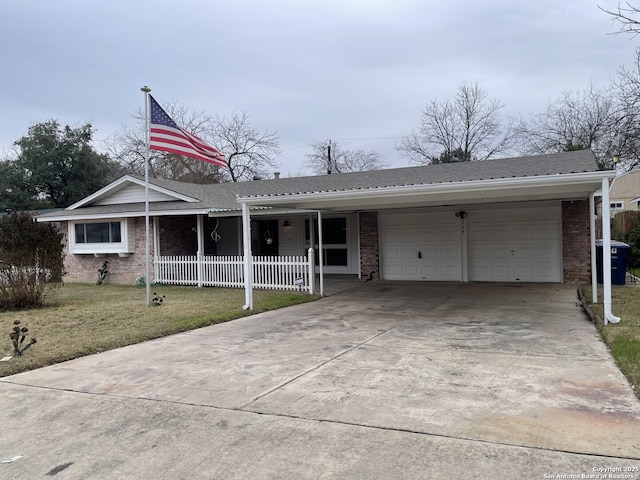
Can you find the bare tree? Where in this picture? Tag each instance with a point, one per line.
(248, 152)
(625, 16)
(330, 157)
(590, 119)
(467, 128)
(627, 88)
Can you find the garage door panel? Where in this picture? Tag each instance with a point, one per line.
(408, 253)
(450, 254)
(516, 244)
(421, 247)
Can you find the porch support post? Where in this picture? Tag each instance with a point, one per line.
(200, 229)
(312, 271)
(156, 237)
(246, 241)
(594, 264)
(320, 253)
(606, 253)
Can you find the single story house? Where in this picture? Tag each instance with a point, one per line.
(524, 219)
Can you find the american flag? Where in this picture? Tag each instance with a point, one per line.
(167, 136)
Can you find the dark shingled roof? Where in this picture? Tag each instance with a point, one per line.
(519, 167)
(223, 196)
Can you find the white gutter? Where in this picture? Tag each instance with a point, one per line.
(606, 254)
(453, 187)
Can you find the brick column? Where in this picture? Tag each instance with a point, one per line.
(576, 242)
(369, 246)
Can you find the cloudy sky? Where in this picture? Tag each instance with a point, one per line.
(358, 72)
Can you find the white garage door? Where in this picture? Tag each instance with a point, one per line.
(421, 246)
(516, 244)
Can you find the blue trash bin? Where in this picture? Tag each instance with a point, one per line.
(619, 254)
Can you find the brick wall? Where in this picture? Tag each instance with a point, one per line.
(576, 246)
(369, 253)
(177, 236)
(84, 268)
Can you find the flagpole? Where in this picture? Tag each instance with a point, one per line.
(147, 277)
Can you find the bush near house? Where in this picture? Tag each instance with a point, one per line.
(626, 228)
(31, 259)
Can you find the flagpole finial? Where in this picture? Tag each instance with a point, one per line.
(145, 89)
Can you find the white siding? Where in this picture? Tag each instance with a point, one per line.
(133, 194)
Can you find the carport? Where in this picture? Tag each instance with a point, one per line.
(498, 220)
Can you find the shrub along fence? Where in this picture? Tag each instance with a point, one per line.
(626, 228)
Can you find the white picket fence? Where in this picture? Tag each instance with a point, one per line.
(275, 273)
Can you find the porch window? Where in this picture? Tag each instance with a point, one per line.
(334, 241)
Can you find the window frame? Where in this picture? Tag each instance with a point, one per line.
(122, 247)
(327, 247)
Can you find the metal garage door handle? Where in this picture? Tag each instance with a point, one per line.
(419, 254)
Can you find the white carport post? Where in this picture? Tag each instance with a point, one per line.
(320, 254)
(248, 269)
(606, 253)
(199, 232)
(594, 263)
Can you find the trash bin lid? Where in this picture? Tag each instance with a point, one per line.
(614, 243)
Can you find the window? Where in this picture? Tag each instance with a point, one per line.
(102, 237)
(106, 232)
(617, 205)
(334, 241)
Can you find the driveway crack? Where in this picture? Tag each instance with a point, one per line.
(313, 369)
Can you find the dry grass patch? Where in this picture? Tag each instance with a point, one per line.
(81, 319)
(622, 338)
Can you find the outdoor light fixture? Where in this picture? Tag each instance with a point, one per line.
(286, 224)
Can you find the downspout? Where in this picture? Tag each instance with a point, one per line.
(464, 247)
(606, 254)
(594, 265)
(246, 240)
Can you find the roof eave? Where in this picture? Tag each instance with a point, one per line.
(594, 178)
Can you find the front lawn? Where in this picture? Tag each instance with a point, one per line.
(622, 338)
(81, 319)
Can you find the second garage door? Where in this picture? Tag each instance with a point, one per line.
(519, 244)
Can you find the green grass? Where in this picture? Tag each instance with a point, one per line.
(623, 339)
(81, 319)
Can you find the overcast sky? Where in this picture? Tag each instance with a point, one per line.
(358, 72)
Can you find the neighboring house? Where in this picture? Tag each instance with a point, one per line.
(624, 193)
(522, 219)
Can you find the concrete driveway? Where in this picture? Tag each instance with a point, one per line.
(386, 380)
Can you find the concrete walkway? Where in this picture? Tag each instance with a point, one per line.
(385, 380)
